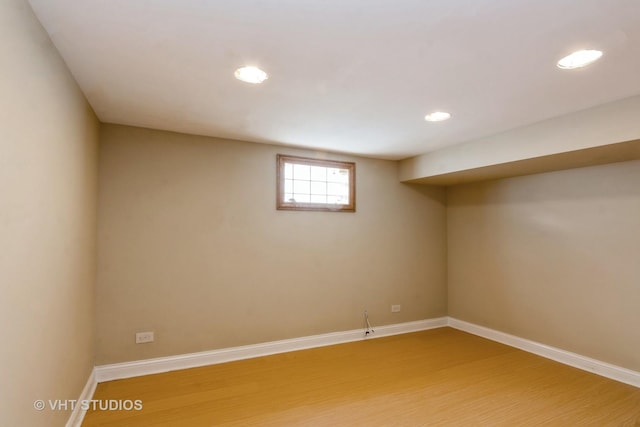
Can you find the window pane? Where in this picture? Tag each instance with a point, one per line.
(301, 198)
(301, 172)
(318, 187)
(337, 200)
(337, 175)
(337, 189)
(302, 187)
(315, 198)
(318, 173)
(315, 184)
(288, 170)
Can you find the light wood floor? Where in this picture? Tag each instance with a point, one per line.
(437, 377)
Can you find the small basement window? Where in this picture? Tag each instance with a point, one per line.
(315, 185)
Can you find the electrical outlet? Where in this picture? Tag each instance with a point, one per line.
(144, 337)
(395, 308)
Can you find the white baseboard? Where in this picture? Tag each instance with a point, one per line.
(604, 369)
(77, 415)
(193, 360)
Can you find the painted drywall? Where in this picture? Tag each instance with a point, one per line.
(599, 127)
(48, 188)
(551, 257)
(192, 247)
(604, 154)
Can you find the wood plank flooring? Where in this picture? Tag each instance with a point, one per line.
(440, 377)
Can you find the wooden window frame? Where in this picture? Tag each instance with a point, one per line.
(281, 159)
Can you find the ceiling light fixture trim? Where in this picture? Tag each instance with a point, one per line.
(437, 116)
(579, 59)
(251, 74)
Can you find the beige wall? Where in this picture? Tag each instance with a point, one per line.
(48, 178)
(192, 247)
(552, 257)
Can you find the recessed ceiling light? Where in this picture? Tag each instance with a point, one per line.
(437, 116)
(251, 74)
(580, 58)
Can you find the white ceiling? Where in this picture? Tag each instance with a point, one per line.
(353, 76)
